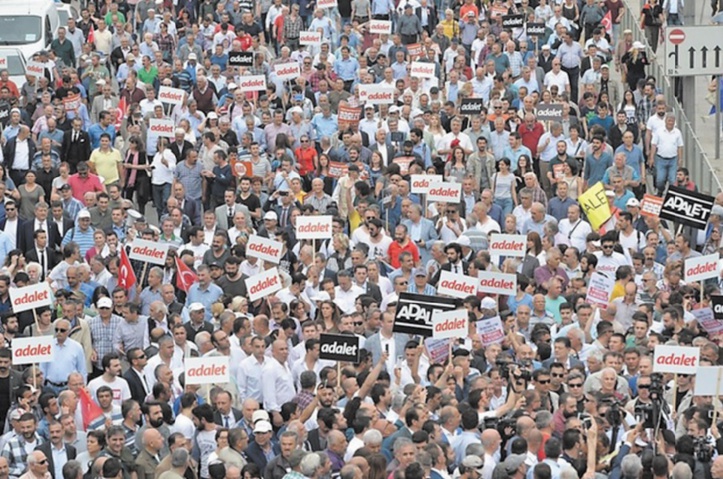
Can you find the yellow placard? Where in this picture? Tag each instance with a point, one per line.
(595, 205)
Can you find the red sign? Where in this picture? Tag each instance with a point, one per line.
(403, 162)
(449, 324)
(651, 205)
(241, 168)
(348, 117)
(421, 183)
(149, 251)
(72, 102)
(414, 49)
(676, 36)
(264, 284)
(31, 297)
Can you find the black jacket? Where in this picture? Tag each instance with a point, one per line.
(9, 152)
(75, 151)
(70, 452)
(135, 383)
(180, 152)
(25, 235)
(257, 456)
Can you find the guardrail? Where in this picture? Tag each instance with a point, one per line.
(696, 160)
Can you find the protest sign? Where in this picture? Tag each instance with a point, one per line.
(339, 347)
(33, 350)
(263, 284)
(414, 50)
(287, 71)
(379, 27)
(423, 70)
(491, 282)
(337, 169)
(72, 102)
(536, 29)
(600, 289)
(701, 268)
(651, 205)
(414, 313)
(30, 297)
(35, 69)
(471, 106)
(242, 166)
(513, 21)
(376, 94)
(162, 127)
(508, 245)
(549, 113)
(309, 38)
(420, 183)
(438, 349)
(594, 204)
(207, 370)
(675, 359)
(348, 117)
(687, 207)
(490, 330)
(456, 285)
(313, 227)
(706, 319)
(450, 324)
(403, 162)
(149, 251)
(708, 381)
(326, 3)
(264, 248)
(241, 59)
(172, 96)
(252, 83)
(445, 191)
(717, 302)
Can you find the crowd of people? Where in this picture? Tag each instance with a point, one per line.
(567, 390)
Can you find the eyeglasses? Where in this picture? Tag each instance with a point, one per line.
(556, 375)
(61, 330)
(576, 385)
(451, 212)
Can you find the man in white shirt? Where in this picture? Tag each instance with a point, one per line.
(444, 145)
(278, 384)
(111, 377)
(346, 293)
(250, 372)
(196, 244)
(666, 153)
(575, 228)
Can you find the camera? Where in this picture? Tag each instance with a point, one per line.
(614, 415)
(504, 425)
(644, 415)
(657, 387)
(586, 420)
(702, 449)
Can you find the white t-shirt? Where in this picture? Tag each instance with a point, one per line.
(120, 388)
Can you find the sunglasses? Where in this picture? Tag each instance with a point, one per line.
(305, 141)
(555, 375)
(576, 385)
(403, 283)
(544, 381)
(61, 330)
(607, 247)
(643, 386)
(43, 462)
(358, 323)
(142, 356)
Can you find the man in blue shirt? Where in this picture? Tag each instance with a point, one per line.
(204, 291)
(346, 68)
(104, 125)
(325, 123)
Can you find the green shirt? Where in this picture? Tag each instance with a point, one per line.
(107, 18)
(148, 77)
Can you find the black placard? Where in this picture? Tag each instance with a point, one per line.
(339, 347)
(536, 29)
(687, 207)
(717, 306)
(549, 112)
(241, 59)
(513, 21)
(414, 313)
(471, 106)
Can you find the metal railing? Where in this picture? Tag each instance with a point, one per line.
(696, 160)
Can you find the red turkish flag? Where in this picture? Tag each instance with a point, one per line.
(121, 112)
(126, 275)
(91, 34)
(88, 408)
(607, 22)
(185, 277)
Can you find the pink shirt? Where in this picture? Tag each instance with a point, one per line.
(81, 186)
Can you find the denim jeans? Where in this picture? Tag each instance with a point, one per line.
(665, 170)
(160, 196)
(505, 205)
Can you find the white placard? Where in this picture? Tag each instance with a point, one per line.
(35, 350)
(676, 359)
(380, 27)
(490, 330)
(264, 248)
(309, 38)
(420, 183)
(376, 94)
(162, 127)
(31, 297)
(444, 191)
(265, 284)
(706, 379)
(456, 285)
(423, 70)
(450, 324)
(508, 245)
(701, 268)
(207, 370)
(3, 61)
(149, 251)
(491, 282)
(599, 289)
(313, 227)
(35, 69)
(172, 96)
(326, 3)
(287, 71)
(252, 83)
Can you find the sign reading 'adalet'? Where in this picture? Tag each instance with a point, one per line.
(207, 370)
(687, 207)
(149, 251)
(264, 249)
(265, 284)
(241, 59)
(313, 227)
(339, 347)
(30, 297)
(33, 350)
(415, 311)
(675, 359)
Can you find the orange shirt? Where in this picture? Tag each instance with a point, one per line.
(395, 249)
(468, 8)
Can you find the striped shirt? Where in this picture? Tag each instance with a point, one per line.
(84, 239)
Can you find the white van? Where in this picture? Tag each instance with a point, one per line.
(29, 25)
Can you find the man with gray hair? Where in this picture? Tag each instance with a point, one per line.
(310, 465)
(179, 463)
(631, 467)
(373, 440)
(152, 292)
